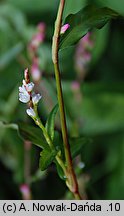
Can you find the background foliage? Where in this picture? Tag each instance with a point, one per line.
(97, 114)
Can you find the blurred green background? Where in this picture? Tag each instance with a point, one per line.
(95, 109)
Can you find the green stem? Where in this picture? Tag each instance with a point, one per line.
(70, 174)
(48, 139)
(40, 124)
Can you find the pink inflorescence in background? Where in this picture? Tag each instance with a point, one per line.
(33, 46)
(83, 54)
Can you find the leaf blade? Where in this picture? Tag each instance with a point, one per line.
(83, 21)
(33, 134)
(46, 158)
(51, 121)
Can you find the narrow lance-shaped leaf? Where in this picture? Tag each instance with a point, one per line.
(83, 21)
(33, 134)
(51, 121)
(46, 158)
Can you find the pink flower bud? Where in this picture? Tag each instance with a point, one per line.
(35, 71)
(36, 74)
(87, 57)
(64, 28)
(25, 190)
(41, 27)
(87, 40)
(26, 75)
(83, 55)
(75, 86)
(37, 39)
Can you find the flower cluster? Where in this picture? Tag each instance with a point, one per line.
(37, 39)
(26, 94)
(83, 54)
(33, 46)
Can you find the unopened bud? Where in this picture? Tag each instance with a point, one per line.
(25, 190)
(26, 76)
(64, 28)
(31, 112)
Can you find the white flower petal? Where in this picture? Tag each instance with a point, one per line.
(29, 86)
(24, 83)
(23, 94)
(31, 112)
(23, 90)
(25, 98)
(36, 98)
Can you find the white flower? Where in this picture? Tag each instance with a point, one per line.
(23, 95)
(36, 98)
(29, 86)
(31, 112)
(22, 89)
(24, 98)
(26, 93)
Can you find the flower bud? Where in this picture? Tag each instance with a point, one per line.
(31, 112)
(25, 190)
(36, 98)
(29, 86)
(26, 75)
(35, 71)
(64, 28)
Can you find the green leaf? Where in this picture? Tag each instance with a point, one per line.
(73, 7)
(76, 145)
(114, 4)
(51, 121)
(3, 129)
(85, 20)
(32, 134)
(46, 158)
(11, 125)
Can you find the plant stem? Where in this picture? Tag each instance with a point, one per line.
(48, 139)
(70, 174)
(40, 124)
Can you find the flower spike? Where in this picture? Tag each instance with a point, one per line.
(27, 95)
